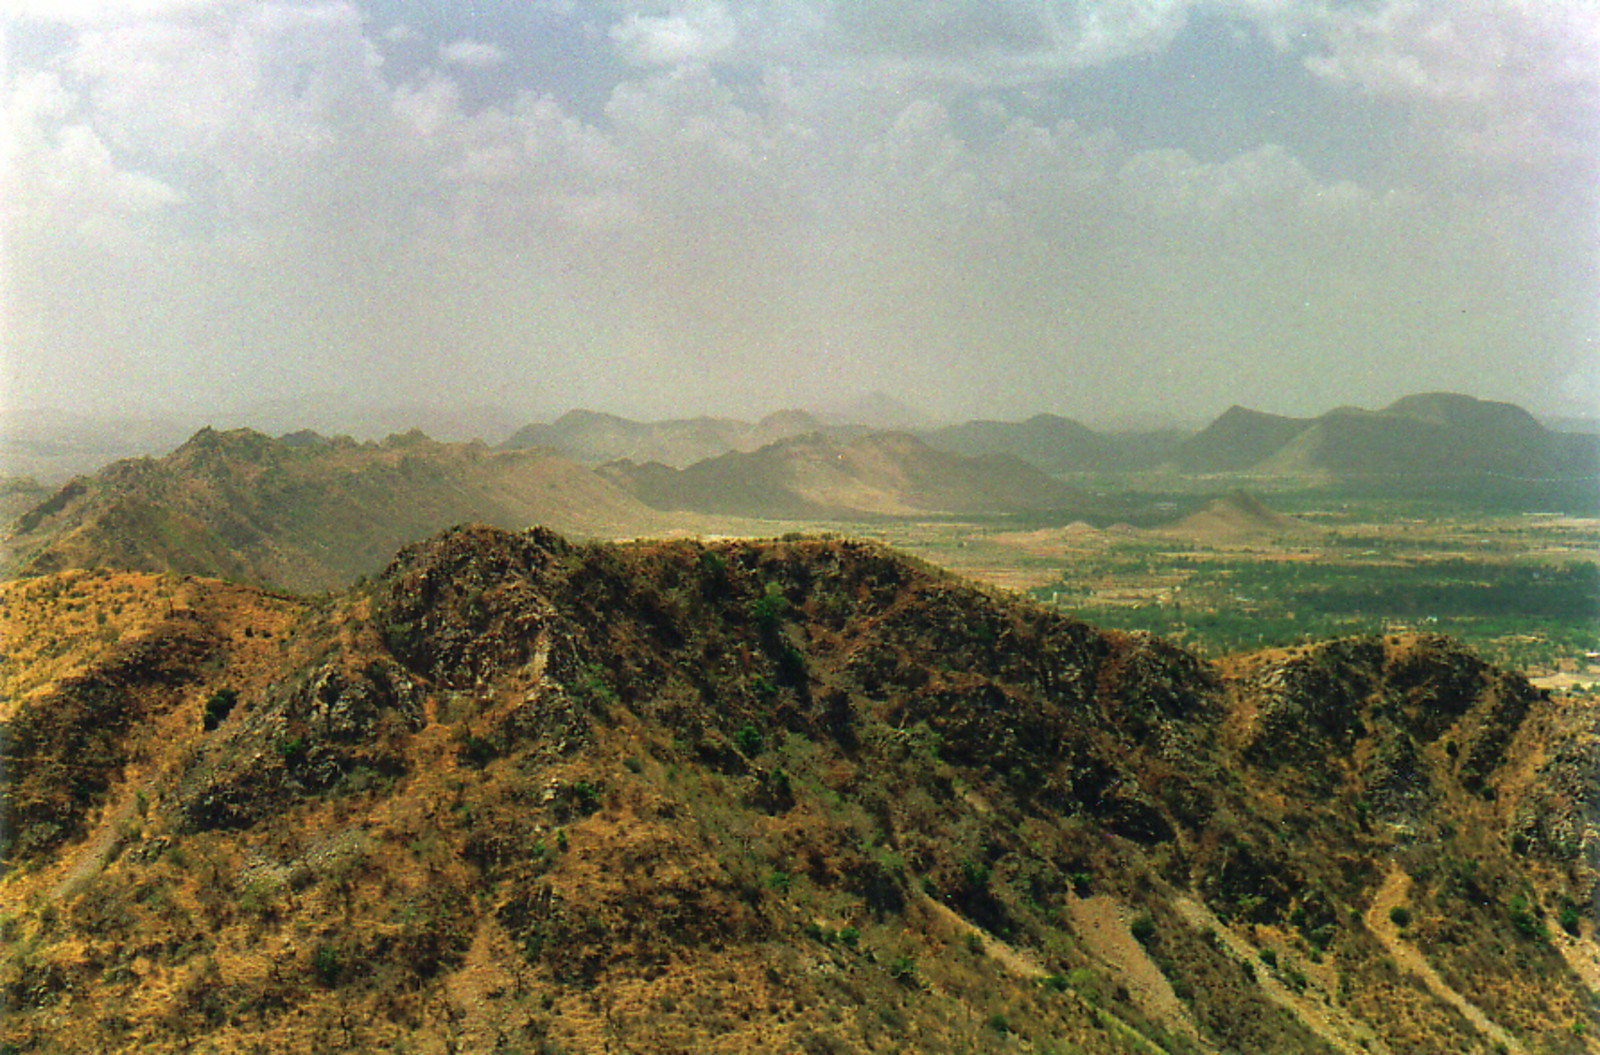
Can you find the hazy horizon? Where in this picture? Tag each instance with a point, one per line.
(1118, 211)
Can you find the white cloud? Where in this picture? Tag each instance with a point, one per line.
(106, 12)
(61, 176)
(698, 33)
(1461, 50)
(428, 108)
(474, 54)
(828, 217)
(1509, 82)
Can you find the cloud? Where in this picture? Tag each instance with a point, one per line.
(63, 181)
(1488, 80)
(87, 13)
(473, 54)
(855, 205)
(698, 33)
(1461, 50)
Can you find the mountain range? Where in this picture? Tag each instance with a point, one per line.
(594, 438)
(304, 512)
(1437, 440)
(817, 476)
(520, 793)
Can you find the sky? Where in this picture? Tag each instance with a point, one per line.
(1119, 210)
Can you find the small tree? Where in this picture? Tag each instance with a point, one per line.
(218, 707)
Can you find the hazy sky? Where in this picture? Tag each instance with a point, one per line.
(987, 207)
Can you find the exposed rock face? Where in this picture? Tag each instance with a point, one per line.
(342, 718)
(662, 795)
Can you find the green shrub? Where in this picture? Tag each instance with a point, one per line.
(475, 751)
(1525, 917)
(585, 797)
(218, 707)
(327, 965)
(1400, 916)
(1143, 928)
(748, 740)
(769, 609)
(791, 665)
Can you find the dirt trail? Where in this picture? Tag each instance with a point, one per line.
(1339, 1028)
(1396, 885)
(91, 857)
(475, 994)
(1012, 959)
(1101, 923)
(122, 813)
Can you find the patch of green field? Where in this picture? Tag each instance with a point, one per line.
(1523, 613)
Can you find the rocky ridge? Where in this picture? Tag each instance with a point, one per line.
(802, 794)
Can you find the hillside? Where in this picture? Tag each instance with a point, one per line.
(884, 474)
(521, 794)
(304, 512)
(1236, 516)
(1434, 442)
(1238, 440)
(18, 494)
(593, 438)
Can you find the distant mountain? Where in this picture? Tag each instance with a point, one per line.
(1436, 438)
(349, 413)
(1238, 440)
(1433, 442)
(818, 476)
(1055, 444)
(593, 438)
(305, 512)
